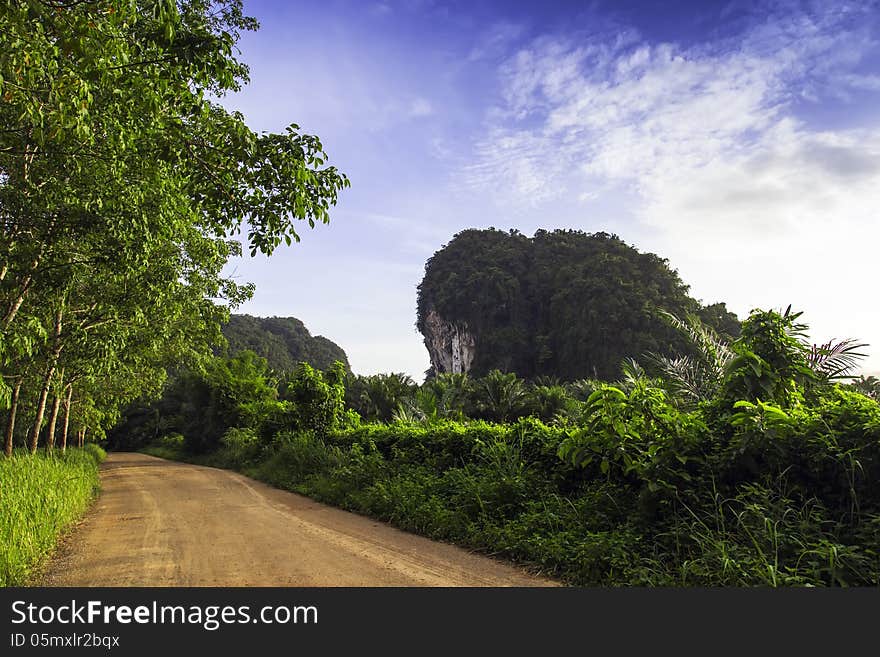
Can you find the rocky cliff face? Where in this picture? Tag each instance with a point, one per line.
(451, 346)
(564, 304)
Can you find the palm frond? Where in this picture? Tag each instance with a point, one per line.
(632, 371)
(712, 349)
(684, 377)
(835, 360)
(694, 378)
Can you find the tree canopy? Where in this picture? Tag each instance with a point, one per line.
(284, 342)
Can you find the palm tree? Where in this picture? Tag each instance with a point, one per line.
(552, 403)
(868, 386)
(503, 395)
(581, 389)
(694, 377)
(453, 393)
(697, 377)
(376, 397)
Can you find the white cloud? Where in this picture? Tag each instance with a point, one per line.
(495, 41)
(420, 107)
(752, 204)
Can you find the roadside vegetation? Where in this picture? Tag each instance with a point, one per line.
(122, 185)
(749, 465)
(41, 496)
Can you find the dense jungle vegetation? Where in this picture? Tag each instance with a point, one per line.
(563, 303)
(745, 462)
(123, 185)
(283, 341)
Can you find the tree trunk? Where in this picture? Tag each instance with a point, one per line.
(34, 438)
(47, 383)
(16, 304)
(66, 426)
(10, 428)
(53, 417)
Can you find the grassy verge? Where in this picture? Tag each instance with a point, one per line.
(40, 497)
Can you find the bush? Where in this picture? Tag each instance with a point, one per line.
(95, 451)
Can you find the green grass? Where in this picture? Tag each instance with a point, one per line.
(40, 497)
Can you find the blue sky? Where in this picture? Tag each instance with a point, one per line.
(739, 139)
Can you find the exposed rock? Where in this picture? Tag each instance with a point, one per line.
(451, 346)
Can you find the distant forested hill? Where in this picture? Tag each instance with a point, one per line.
(563, 303)
(283, 341)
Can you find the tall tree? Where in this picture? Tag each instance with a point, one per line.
(122, 182)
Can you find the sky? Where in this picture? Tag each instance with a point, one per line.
(738, 139)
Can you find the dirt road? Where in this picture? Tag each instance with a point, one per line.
(162, 523)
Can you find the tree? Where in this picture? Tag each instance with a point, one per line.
(774, 362)
(378, 396)
(868, 386)
(121, 185)
(501, 396)
(283, 341)
(696, 375)
(318, 398)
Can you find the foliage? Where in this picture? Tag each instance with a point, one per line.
(502, 396)
(770, 361)
(835, 359)
(282, 341)
(378, 396)
(122, 184)
(201, 404)
(694, 377)
(867, 385)
(317, 399)
(235, 399)
(770, 482)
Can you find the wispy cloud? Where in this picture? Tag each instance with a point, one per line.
(495, 41)
(420, 107)
(716, 144)
(631, 110)
(380, 9)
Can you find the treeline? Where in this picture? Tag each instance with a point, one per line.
(122, 184)
(751, 463)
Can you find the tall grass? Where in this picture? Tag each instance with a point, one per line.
(41, 496)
